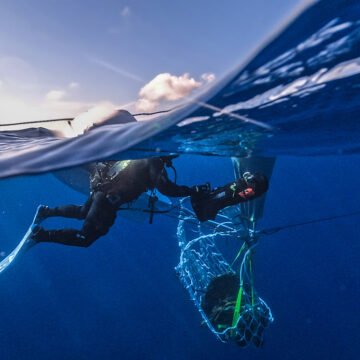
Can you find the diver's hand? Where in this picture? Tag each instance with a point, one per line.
(200, 189)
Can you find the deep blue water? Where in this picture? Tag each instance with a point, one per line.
(120, 298)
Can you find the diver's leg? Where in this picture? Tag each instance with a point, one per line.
(67, 211)
(100, 217)
(71, 237)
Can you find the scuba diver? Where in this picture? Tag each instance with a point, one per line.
(115, 183)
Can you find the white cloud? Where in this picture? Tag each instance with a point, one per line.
(208, 77)
(165, 87)
(125, 11)
(1, 83)
(55, 95)
(74, 85)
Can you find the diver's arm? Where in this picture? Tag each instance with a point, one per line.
(169, 188)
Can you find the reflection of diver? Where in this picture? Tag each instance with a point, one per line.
(114, 183)
(219, 302)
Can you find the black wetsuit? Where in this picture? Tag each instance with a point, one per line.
(207, 204)
(115, 183)
(99, 211)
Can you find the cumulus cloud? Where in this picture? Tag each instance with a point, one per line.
(208, 77)
(74, 85)
(125, 11)
(55, 95)
(165, 87)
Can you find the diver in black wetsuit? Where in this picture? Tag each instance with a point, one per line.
(114, 183)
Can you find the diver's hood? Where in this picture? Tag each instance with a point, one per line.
(258, 182)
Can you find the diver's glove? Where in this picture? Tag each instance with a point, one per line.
(199, 190)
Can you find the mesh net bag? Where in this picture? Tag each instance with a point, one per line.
(226, 299)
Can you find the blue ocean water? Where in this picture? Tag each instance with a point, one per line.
(120, 298)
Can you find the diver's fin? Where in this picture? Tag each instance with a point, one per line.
(25, 244)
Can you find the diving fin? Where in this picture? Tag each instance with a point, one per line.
(25, 244)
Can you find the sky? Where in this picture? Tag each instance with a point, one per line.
(59, 58)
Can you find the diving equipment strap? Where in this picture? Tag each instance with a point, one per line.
(152, 200)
